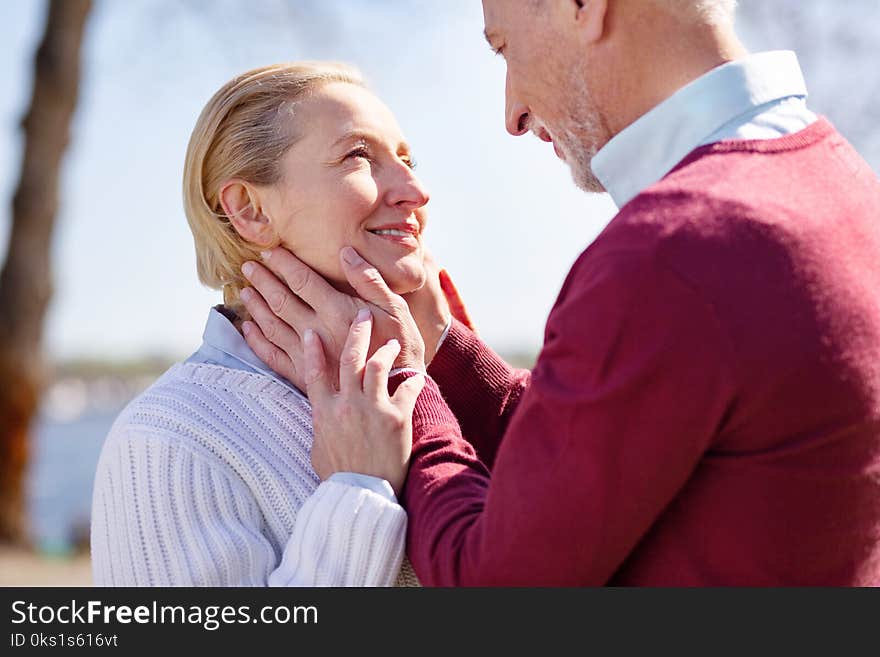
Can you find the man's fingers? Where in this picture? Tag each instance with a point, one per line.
(318, 387)
(300, 278)
(377, 369)
(274, 329)
(456, 304)
(277, 297)
(368, 282)
(276, 359)
(407, 393)
(354, 353)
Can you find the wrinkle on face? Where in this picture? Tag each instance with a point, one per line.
(547, 76)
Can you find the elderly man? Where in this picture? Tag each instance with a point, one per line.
(706, 406)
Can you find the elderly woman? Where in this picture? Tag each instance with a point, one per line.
(206, 479)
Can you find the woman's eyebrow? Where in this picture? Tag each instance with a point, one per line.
(362, 136)
(353, 135)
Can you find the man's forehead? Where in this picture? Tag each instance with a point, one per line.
(502, 16)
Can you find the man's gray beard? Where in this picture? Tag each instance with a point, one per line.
(580, 137)
(579, 151)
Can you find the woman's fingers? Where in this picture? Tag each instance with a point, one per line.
(276, 296)
(354, 353)
(377, 369)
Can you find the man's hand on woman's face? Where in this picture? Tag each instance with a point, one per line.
(434, 303)
(429, 307)
(284, 311)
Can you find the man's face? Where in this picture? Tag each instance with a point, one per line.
(547, 90)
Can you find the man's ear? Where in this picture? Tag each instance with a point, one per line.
(591, 16)
(241, 203)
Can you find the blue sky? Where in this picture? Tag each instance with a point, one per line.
(506, 219)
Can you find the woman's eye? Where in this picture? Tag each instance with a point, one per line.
(359, 152)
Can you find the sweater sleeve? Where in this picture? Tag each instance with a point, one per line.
(165, 515)
(482, 390)
(629, 388)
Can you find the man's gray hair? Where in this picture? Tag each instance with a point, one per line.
(709, 11)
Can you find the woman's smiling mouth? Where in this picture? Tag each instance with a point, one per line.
(390, 231)
(405, 234)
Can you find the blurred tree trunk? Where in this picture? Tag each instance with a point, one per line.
(25, 281)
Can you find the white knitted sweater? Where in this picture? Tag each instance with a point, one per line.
(205, 479)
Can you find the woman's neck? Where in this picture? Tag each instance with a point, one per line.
(235, 319)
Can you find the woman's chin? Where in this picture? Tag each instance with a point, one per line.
(405, 275)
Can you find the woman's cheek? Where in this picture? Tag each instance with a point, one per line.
(358, 194)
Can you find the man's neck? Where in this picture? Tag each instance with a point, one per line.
(667, 67)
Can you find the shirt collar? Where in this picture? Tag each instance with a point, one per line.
(645, 151)
(221, 334)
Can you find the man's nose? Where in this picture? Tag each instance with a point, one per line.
(516, 113)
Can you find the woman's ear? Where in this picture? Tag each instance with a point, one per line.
(241, 203)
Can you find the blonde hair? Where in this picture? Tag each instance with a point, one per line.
(239, 134)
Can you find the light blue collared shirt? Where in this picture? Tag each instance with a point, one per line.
(762, 96)
(223, 345)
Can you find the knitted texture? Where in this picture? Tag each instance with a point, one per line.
(705, 409)
(205, 479)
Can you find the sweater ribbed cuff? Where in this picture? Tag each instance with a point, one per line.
(465, 368)
(431, 410)
(376, 484)
(344, 536)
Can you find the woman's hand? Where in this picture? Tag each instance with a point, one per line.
(359, 427)
(284, 311)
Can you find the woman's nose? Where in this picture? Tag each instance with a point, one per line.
(407, 190)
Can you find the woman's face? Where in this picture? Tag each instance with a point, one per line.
(348, 181)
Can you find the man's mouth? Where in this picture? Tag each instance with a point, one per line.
(544, 135)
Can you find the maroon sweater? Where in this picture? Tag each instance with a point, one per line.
(706, 406)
